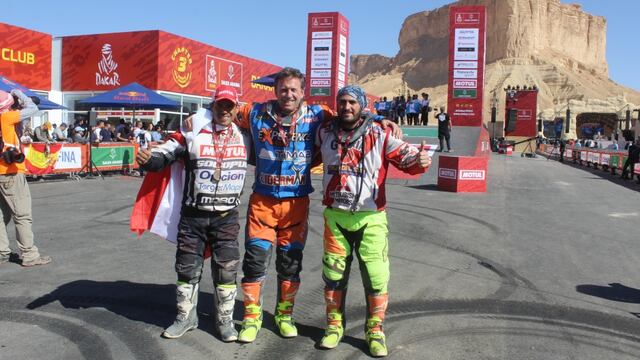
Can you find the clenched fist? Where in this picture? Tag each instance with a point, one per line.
(143, 157)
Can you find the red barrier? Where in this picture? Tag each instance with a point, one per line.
(62, 158)
(57, 158)
(462, 173)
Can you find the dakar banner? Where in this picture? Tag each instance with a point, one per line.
(25, 57)
(525, 104)
(192, 67)
(107, 61)
(467, 42)
(159, 61)
(327, 57)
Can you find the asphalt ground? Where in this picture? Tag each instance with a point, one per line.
(542, 266)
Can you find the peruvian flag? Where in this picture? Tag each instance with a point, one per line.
(157, 206)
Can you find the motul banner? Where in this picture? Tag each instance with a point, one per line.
(25, 57)
(467, 42)
(524, 104)
(327, 57)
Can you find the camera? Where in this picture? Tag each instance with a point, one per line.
(12, 155)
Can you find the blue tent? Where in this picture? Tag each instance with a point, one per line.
(133, 96)
(268, 80)
(45, 104)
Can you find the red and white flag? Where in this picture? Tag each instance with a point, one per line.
(157, 206)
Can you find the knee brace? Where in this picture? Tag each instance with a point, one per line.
(224, 265)
(256, 260)
(335, 271)
(289, 263)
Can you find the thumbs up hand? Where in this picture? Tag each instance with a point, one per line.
(424, 160)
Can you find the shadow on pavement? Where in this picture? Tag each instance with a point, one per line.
(149, 303)
(613, 292)
(431, 187)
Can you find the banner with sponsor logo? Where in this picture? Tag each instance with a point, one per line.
(159, 61)
(467, 41)
(525, 104)
(189, 66)
(25, 56)
(111, 157)
(106, 61)
(327, 57)
(462, 173)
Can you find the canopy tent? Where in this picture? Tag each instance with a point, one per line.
(132, 95)
(45, 104)
(268, 80)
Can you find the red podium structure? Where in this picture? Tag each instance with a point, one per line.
(462, 173)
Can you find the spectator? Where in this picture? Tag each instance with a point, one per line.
(96, 133)
(425, 108)
(123, 133)
(42, 133)
(156, 134)
(14, 190)
(444, 129)
(27, 135)
(402, 105)
(120, 126)
(413, 110)
(78, 135)
(105, 133)
(60, 133)
(632, 158)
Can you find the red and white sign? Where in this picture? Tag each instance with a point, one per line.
(159, 61)
(471, 174)
(468, 18)
(221, 71)
(25, 57)
(462, 173)
(525, 102)
(320, 82)
(467, 42)
(447, 173)
(327, 57)
(465, 84)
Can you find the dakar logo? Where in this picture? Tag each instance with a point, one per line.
(107, 74)
(113, 154)
(212, 74)
(181, 66)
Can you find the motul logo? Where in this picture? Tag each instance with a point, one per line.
(447, 173)
(471, 174)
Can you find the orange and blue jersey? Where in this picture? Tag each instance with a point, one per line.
(283, 156)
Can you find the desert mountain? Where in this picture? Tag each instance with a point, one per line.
(557, 47)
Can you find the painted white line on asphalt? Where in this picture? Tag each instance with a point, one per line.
(623, 215)
(563, 183)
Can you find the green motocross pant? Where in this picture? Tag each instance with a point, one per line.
(366, 233)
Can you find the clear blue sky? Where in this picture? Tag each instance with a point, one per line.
(259, 28)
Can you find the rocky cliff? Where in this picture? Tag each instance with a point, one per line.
(556, 46)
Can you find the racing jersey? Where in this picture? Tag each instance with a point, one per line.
(203, 188)
(355, 170)
(283, 154)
